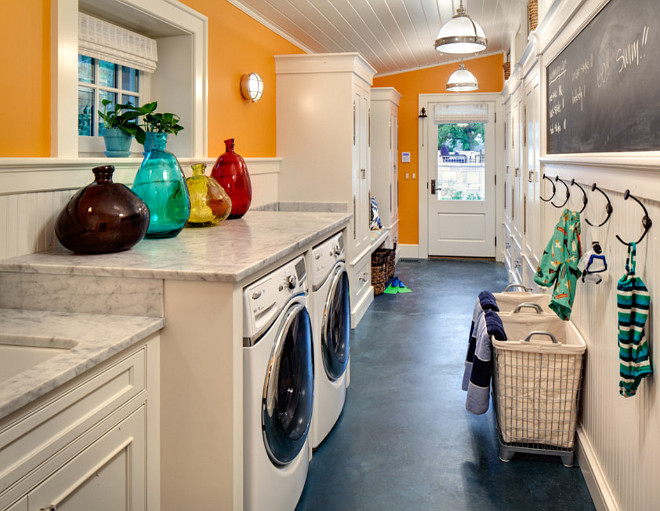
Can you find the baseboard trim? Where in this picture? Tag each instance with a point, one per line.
(408, 251)
(593, 474)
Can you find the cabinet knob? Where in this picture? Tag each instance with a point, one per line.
(49, 508)
(530, 178)
(363, 173)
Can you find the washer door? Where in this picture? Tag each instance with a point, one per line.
(336, 326)
(289, 388)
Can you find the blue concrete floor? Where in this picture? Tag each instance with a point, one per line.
(404, 440)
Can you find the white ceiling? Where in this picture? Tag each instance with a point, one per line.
(393, 35)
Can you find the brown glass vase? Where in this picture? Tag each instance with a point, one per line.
(103, 217)
(231, 172)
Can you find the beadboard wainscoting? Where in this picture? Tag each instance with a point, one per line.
(34, 190)
(619, 437)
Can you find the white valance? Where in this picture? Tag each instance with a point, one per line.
(446, 113)
(102, 40)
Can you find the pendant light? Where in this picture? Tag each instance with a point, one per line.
(461, 35)
(462, 80)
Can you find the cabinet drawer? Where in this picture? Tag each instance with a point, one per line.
(361, 281)
(50, 424)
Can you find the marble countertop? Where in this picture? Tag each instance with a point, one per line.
(229, 252)
(94, 338)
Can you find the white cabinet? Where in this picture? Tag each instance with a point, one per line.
(93, 443)
(323, 103)
(384, 150)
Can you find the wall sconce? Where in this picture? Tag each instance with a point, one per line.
(252, 86)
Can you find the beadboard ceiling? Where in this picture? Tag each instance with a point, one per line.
(393, 35)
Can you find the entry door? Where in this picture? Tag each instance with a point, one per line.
(461, 183)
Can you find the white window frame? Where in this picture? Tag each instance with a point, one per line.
(188, 99)
(94, 145)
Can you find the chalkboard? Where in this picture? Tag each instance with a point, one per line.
(603, 89)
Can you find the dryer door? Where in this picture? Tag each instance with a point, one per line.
(289, 388)
(336, 326)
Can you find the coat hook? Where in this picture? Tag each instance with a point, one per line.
(568, 193)
(646, 221)
(584, 194)
(608, 208)
(422, 113)
(554, 189)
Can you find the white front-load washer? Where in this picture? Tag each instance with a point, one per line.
(331, 327)
(278, 389)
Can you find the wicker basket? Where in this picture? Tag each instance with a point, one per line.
(382, 268)
(533, 13)
(507, 70)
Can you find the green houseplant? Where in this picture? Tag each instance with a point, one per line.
(121, 124)
(157, 122)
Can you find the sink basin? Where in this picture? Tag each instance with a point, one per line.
(18, 353)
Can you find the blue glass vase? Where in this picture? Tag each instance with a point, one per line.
(161, 184)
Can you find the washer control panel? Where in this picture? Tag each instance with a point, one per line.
(324, 258)
(264, 299)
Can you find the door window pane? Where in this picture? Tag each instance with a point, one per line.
(107, 74)
(461, 161)
(85, 111)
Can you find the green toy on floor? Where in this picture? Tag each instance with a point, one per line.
(396, 286)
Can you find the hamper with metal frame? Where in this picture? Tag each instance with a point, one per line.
(537, 375)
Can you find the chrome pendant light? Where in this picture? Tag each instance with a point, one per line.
(462, 80)
(461, 35)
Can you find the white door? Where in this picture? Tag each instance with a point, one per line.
(461, 183)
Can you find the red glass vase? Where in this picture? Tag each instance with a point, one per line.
(231, 172)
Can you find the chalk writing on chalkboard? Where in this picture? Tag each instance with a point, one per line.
(603, 89)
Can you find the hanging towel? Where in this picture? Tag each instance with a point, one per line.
(559, 263)
(486, 300)
(632, 302)
(478, 391)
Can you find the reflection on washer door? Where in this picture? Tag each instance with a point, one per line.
(289, 389)
(336, 328)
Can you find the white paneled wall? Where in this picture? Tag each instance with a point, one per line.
(621, 436)
(33, 194)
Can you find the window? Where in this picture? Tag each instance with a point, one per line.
(181, 34)
(99, 80)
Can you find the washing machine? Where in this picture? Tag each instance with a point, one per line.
(331, 327)
(278, 388)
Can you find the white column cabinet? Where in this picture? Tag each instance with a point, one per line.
(384, 150)
(323, 108)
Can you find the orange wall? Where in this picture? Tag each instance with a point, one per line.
(237, 45)
(490, 76)
(25, 82)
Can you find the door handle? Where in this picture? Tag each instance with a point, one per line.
(432, 186)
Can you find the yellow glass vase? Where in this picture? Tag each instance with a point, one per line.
(209, 203)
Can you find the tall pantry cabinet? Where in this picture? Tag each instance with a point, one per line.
(323, 103)
(384, 151)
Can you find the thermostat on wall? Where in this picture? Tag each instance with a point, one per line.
(405, 157)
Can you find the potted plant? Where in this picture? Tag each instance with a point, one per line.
(157, 122)
(121, 125)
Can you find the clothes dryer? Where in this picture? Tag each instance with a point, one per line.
(278, 388)
(331, 327)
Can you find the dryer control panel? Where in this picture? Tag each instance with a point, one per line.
(324, 258)
(264, 299)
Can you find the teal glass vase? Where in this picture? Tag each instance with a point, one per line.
(161, 184)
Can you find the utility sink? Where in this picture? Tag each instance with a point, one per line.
(19, 353)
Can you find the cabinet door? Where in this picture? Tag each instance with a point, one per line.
(361, 176)
(21, 505)
(108, 475)
(394, 184)
(533, 202)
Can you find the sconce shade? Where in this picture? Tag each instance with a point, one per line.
(462, 80)
(252, 86)
(461, 35)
